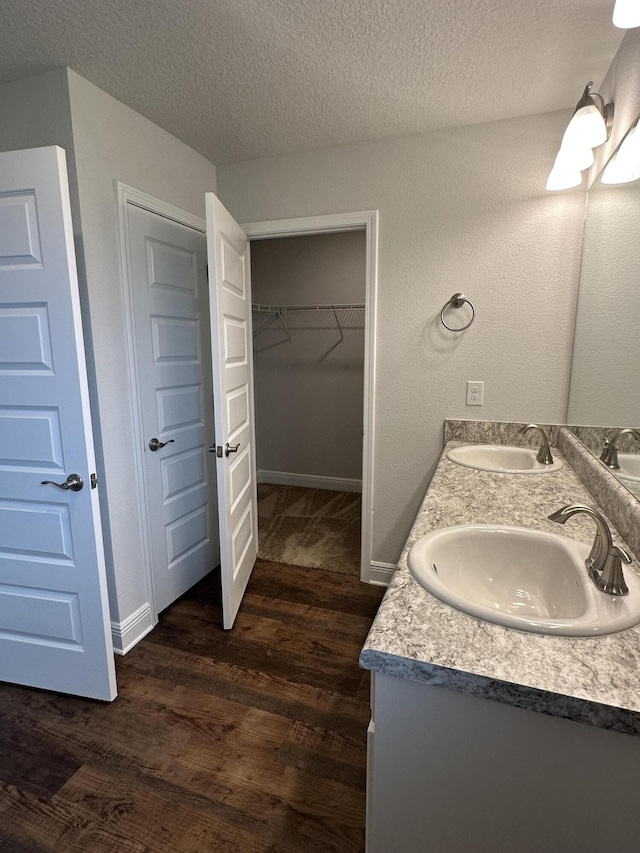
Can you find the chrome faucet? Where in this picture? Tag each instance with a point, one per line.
(609, 453)
(544, 456)
(604, 563)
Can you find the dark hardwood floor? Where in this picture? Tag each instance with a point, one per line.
(252, 740)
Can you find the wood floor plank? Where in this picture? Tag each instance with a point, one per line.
(342, 593)
(246, 741)
(58, 825)
(287, 663)
(33, 760)
(303, 615)
(148, 816)
(328, 754)
(269, 631)
(250, 687)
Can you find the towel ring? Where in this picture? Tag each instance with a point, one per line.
(457, 301)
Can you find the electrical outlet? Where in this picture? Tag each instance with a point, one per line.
(475, 392)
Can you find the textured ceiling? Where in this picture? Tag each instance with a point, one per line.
(237, 79)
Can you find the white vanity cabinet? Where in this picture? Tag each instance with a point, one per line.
(454, 773)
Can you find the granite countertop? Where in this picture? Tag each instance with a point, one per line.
(416, 636)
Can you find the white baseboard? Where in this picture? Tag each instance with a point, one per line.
(380, 574)
(310, 481)
(131, 630)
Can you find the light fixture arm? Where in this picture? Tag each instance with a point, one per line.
(587, 97)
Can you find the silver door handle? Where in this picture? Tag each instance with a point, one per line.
(218, 449)
(74, 483)
(227, 449)
(156, 444)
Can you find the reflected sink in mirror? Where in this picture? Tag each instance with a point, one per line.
(593, 439)
(501, 459)
(629, 466)
(526, 579)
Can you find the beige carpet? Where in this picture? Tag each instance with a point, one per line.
(315, 528)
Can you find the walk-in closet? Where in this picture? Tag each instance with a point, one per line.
(308, 296)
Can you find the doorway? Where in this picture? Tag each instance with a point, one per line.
(318, 334)
(308, 330)
(363, 222)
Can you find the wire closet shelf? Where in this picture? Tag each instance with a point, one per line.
(334, 311)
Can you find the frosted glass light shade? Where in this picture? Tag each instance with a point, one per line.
(580, 157)
(626, 14)
(616, 173)
(564, 175)
(586, 128)
(624, 166)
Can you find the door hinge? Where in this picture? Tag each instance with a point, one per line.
(94, 481)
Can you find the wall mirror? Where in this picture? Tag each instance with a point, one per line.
(605, 376)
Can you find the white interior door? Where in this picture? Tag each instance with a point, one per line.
(232, 355)
(54, 616)
(168, 276)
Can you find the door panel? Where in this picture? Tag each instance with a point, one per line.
(167, 265)
(54, 618)
(232, 354)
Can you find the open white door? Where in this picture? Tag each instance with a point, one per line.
(54, 614)
(232, 356)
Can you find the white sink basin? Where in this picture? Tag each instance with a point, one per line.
(501, 458)
(520, 578)
(629, 466)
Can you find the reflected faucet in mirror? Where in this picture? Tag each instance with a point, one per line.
(610, 450)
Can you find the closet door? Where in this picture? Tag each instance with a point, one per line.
(167, 265)
(232, 356)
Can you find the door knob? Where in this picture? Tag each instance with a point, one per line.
(218, 450)
(74, 483)
(156, 444)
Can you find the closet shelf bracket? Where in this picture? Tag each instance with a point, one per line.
(276, 317)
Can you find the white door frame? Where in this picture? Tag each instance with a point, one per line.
(366, 221)
(132, 629)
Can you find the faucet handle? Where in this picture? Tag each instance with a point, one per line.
(624, 555)
(611, 578)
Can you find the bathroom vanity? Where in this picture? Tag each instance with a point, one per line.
(484, 738)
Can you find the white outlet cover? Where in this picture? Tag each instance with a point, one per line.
(475, 392)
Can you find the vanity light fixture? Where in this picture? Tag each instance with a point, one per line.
(624, 166)
(590, 126)
(626, 14)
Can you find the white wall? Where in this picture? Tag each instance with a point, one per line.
(35, 112)
(113, 143)
(309, 391)
(464, 209)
